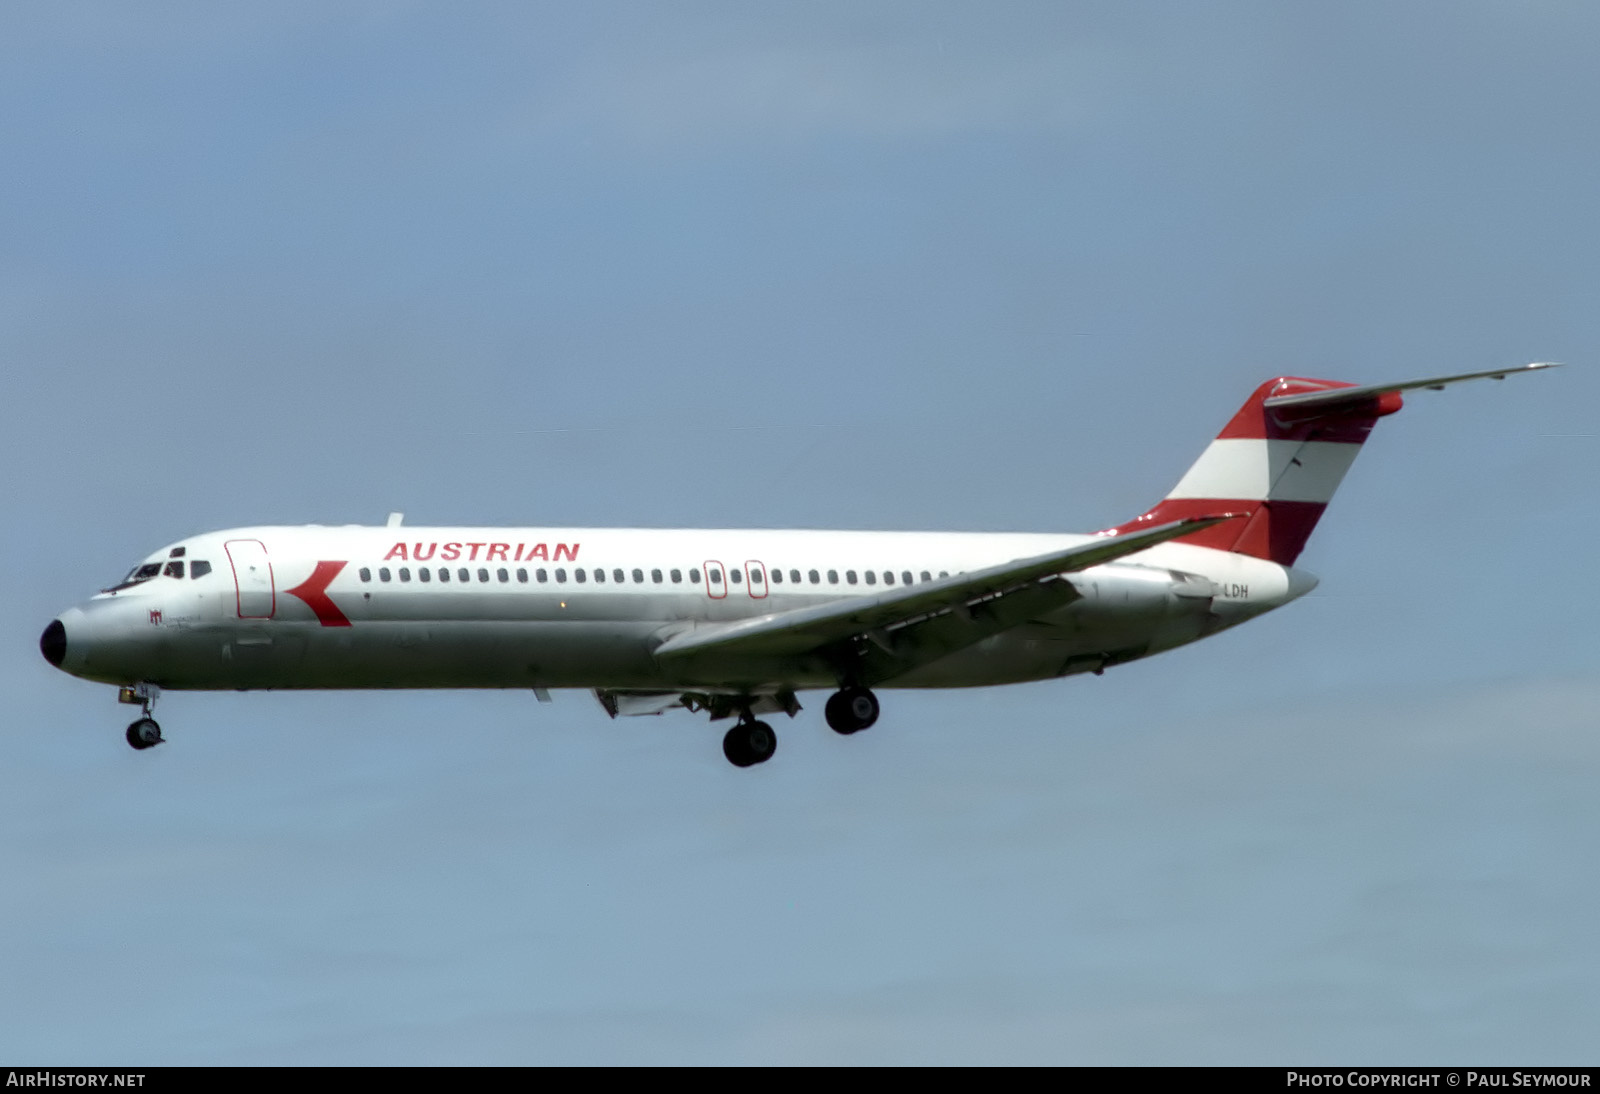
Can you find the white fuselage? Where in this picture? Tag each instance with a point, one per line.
(412, 607)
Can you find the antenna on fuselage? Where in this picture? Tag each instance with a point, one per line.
(395, 519)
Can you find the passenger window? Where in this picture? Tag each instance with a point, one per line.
(502, 575)
(174, 569)
(444, 573)
(850, 576)
(716, 576)
(405, 573)
(522, 574)
(814, 577)
(794, 576)
(423, 573)
(926, 576)
(872, 578)
(618, 576)
(366, 574)
(463, 574)
(944, 573)
(777, 576)
(541, 575)
(694, 574)
(755, 575)
(599, 574)
(736, 577)
(561, 575)
(888, 577)
(833, 577)
(638, 577)
(199, 568)
(579, 576)
(383, 573)
(905, 577)
(655, 575)
(483, 574)
(677, 576)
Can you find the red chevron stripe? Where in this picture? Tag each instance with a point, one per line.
(314, 591)
(1276, 531)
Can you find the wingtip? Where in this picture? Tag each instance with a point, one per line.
(1532, 366)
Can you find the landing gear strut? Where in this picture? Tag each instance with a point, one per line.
(851, 709)
(749, 742)
(144, 732)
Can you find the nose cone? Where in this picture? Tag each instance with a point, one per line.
(53, 643)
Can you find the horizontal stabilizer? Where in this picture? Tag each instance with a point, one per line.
(804, 629)
(1322, 402)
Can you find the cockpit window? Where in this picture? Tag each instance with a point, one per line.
(139, 574)
(199, 568)
(174, 569)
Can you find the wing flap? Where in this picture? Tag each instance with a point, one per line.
(876, 617)
(931, 637)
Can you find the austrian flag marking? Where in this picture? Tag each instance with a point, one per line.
(314, 591)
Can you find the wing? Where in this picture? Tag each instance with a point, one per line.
(923, 622)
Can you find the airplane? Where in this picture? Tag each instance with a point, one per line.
(734, 623)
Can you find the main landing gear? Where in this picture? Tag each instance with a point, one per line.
(750, 742)
(851, 710)
(144, 732)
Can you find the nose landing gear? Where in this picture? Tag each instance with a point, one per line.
(144, 732)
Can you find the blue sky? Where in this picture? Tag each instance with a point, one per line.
(832, 265)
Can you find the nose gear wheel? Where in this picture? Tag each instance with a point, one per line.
(145, 733)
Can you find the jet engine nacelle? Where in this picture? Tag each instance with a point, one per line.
(1145, 592)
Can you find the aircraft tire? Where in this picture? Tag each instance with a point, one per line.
(749, 743)
(144, 733)
(851, 710)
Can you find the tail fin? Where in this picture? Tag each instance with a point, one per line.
(1280, 459)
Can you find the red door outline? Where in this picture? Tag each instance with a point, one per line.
(755, 572)
(719, 590)
(247, 555)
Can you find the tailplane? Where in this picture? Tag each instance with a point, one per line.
(1280, 459)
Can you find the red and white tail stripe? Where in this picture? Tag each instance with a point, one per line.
(1279, 465)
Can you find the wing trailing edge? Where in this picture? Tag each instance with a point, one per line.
(870, 617)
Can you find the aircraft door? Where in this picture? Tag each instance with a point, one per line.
(757, 575)
(255, 595)
(716, 580)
